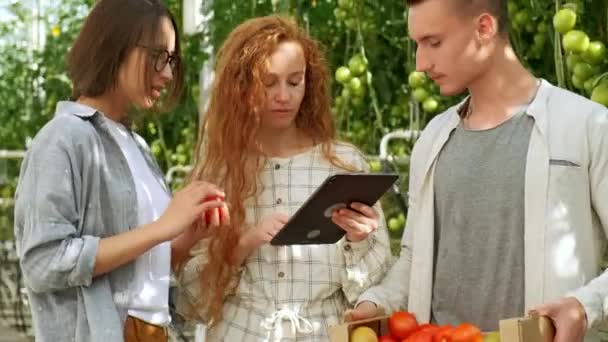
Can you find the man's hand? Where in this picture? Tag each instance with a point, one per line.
(364, 310)
(568, 316)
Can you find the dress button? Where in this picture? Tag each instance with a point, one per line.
(347, 248)
(279, 201)
(281, 274)
(277, 166)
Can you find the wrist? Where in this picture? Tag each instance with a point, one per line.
(353, 238)
(245, 243)
(182, 243)
(367, 303)
(158, 231)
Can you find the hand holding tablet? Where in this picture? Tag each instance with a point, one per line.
(313, 224)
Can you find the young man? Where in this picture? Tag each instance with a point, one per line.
(508, 190)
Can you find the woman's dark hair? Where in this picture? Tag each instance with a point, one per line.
(110, 32)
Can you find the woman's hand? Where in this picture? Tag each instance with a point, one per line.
(357, 223)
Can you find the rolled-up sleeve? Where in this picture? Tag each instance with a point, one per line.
(52, 253)
(594, 295)
(366, 261)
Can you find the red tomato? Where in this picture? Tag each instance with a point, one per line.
(427, 327)
(466, 332)
(402, 324)
(442, 333)
(208, 213)
(387, 338)
(421, 336)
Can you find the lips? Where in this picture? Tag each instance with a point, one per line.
(436, 77)
(156, 90)
(281, 111)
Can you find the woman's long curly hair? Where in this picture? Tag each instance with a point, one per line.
(228, 152)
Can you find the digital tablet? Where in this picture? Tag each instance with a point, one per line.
(312, 223)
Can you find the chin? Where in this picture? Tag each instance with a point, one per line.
(146, 103)
(447, 90)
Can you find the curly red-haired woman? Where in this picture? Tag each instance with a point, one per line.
(269, 141)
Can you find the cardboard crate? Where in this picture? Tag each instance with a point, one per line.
(521, 329)
(341, 333)
(527, 329)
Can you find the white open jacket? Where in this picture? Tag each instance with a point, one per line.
(566, 209)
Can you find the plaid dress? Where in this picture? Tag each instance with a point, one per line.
(292, 293)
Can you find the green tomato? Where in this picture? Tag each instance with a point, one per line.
(511, 7)
(357, 101)
(530, 28)
(540, 39)
(522, 17)
(420, 94)
(430, 105)
(357, 65)
(542, 27)
(600, 94)
(401, 218)
(339, 101)
(416, 79)
(572, 60)
(346, 93)
(583, 71)
(590, 85)
(351, 23)
(340, 14)
(343, 74)
(181, 159)
(375, 166)
(575, 41)
(564, 20)
(572, 6)
(156, 148)
(595, 53)
(355, 84)
(346, 4)
(394, 225)
(578, 83)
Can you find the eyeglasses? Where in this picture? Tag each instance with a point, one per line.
(162, 57)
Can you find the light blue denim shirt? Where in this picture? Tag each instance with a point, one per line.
(75, 188)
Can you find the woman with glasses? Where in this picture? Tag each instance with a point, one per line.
(96, 227)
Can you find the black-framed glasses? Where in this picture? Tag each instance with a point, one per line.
(162, 57)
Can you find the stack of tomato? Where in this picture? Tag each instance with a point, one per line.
(403, 327)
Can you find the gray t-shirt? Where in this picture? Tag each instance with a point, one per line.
(479, 225)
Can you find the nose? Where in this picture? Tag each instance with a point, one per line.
(282, 93)
(423, 64)
(167, 73)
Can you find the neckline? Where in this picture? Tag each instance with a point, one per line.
(281, 160)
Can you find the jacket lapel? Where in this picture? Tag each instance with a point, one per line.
(536, 188)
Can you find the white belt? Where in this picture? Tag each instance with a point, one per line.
(298, 323)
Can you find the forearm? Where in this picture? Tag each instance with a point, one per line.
(371, 258)
(180, 251)
(240, 254)
(593, 297)
(392, 292)
(117, 250)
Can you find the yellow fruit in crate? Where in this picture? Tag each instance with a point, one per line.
(493, 336)
(363, 334)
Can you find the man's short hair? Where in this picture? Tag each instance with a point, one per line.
(497, 8)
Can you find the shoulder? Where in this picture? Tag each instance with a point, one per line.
(567, 105)
(350, 154)
(66, 130)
